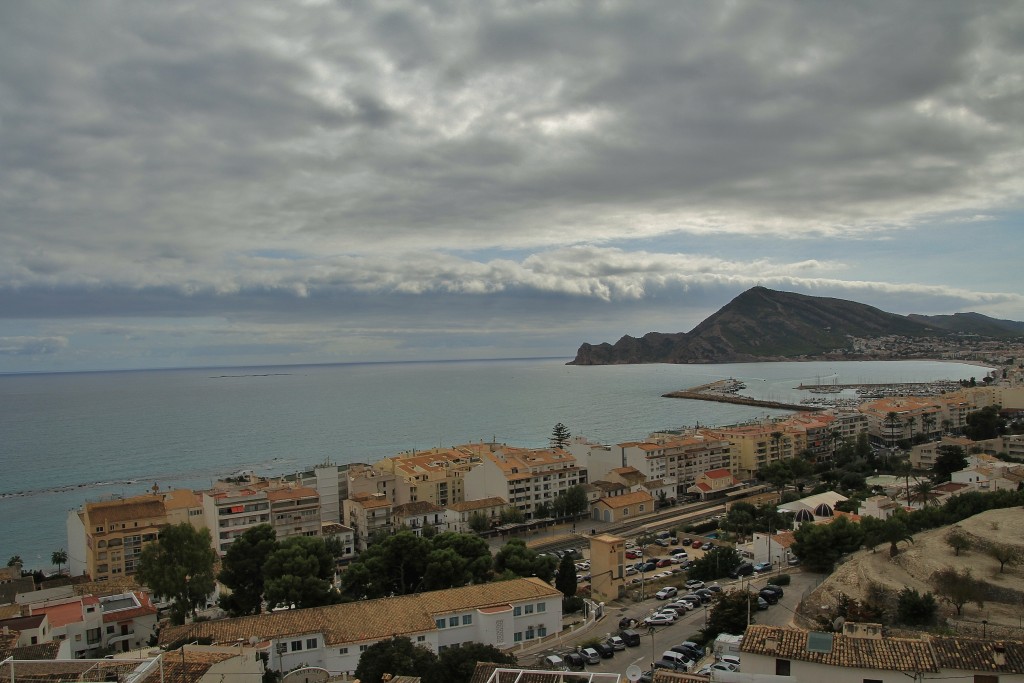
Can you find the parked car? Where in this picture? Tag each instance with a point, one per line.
(679, 552)
(575, 662)
(590, 655)
(605, 650)
(708, 546)
(663, 562)
(775, 589)
(730, 659)
(744, 569)
(616, 643)
(694, 584)
(680, 606)
(696, 544)
(681, 661)
(688, 652)
(670, 613)
(687, 541)
(633, 554)
(769, 596)
(554, 663)
(714, 588)
(659, 619)
(762, 567)
(631, 637)
(666, 593)
(793, 561)
(648, 566)
(762, 603)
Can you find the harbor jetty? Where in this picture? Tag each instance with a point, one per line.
(727, 391)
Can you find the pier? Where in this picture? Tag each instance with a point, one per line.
(725, 391)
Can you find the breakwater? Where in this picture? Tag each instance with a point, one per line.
(725, 391)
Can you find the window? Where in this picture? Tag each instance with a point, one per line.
(529, 633)
(110, 629)
(517, 637)
(642, 507)
(782, 667)
(310, 643)
(440, 623)
(541, 606)
(362, 648)
(542, 631)
(343, 651)
(453, 621)
(467, 619)
(529, 609)
(296, 645)
(517, 610)
(420, 639)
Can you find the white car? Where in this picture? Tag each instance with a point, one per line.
(630, 570)
(659, 619)
(670, 613)
(666, 593)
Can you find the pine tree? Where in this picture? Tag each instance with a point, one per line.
(560, 436)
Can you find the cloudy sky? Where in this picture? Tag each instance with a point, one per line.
(234, 183)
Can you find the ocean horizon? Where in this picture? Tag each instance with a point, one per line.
(73, 436)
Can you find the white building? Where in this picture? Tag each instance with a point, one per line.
(502, 614)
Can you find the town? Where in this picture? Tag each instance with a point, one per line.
(709, 552)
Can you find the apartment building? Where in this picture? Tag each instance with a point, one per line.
(526, 478)
(421, 517)
(435, 476)
(892, 419)
(368, 514)
(756, 445)
(87, 624)
(502, 614)
(330, 481)
(677, 459)
(106, 538)
(294, 511)
(232, 512)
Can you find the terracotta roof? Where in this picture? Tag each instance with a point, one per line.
(145, 608)
(634, 498)
(126, 509)
(364, 619)
(23, 623)
(470, 505)
(181, 498)
(609, 486)
(720, 473)
(892, 654)
(967, 654)
(702, 486)
(484, 671)
(39, 651)
(83, 669)
(416, 507)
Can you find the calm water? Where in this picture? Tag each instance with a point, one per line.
(66, 438)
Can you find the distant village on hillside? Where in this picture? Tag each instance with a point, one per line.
(594, 498)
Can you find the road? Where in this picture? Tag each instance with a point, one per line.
(663, 638)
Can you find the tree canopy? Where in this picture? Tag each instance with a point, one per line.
(729, 613)
(566, 579)
(300, 572)
(516, 560)
(986, 423)
(715, 564)
(949, 459)
(396, 656)
(560, 436)
(819, 546)
(179, 566)
(242, 570)
(958, 588)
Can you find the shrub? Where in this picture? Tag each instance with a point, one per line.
(782, 580)
(571, 604)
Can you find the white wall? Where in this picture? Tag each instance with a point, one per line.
(76, 544)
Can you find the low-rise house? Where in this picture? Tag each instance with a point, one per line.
(460, 514)
(503, 614)
(368, 514)
(344, 535)
(715, 484)
(420, 515)
(619, 508)
(863, 654)
(880, 507)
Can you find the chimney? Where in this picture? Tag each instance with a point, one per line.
(771, 644)
(999, 654)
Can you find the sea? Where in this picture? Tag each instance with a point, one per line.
(67, 438)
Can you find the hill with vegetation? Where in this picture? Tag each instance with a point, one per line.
(763, 324)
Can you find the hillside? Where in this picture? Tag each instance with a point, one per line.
(763, 324)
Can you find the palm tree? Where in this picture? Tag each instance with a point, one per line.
(928, 423)
(892, 421)
(894, 531)
(905, 469)
(777, 438)
(911, 421)
(59, 558)
(923, 489)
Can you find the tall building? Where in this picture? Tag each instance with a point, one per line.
(106, 538)
(526, 478)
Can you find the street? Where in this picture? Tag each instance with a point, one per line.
(664, 637)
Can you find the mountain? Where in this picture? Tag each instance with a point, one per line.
(972, 323)
(764, 324)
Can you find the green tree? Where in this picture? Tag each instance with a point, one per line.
(457, 664)
(479, 522)
(924, 491)
(894, 531)
(986, 423)
(560, 436)
(566, 579)
(715, 564)
(949, 459)
(242, 570)
(819, 546)
(892, 422)
(914, 609)
(576, 502)
(474, 550)
(179, 566)
(958, 540)
(300, 572)
(510, 514)
(59, 558)
(958, 588)
(14, 560)
(729, 613)
(516, 560)
(1004, 554)
(777, 473)
(396, 656)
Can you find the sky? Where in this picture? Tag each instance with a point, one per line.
(250, 183)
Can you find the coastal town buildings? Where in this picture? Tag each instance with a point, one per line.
(621, 508)
(503, 614)
(421, 517)
(435, 476)
(461, 514)
(106, 538)
(232, 508)
(863, 654)
(368, 514)
(526, 478)
(757, 445)
(330, 481)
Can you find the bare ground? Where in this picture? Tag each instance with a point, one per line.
(929, 553)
